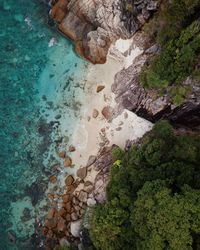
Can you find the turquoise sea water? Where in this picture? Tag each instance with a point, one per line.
(35, 82)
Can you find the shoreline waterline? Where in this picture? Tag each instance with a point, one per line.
(30, 122)
(50, 110)
(93, 130)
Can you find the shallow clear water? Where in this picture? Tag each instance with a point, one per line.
(35, 84)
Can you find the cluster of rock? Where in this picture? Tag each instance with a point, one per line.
(148, 103)
(95, 24)
(59, 221)
(63, 222)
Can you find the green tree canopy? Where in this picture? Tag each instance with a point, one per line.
(153, 195)
(163, 220)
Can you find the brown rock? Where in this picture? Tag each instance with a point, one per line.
(88, 189)
(83, 196)
(62, 154)
(53, 179)
(55, 168)
(75, 200)
(82, 172)
(100, 88)
(67, 162)
(84, 206)
(108, 113)
(94, 27)
(95, 113)
(66, 198)
(74, 216)
(68, 206)
(51, 196)
(56, 196)
(72, 148)
(88, 183)
(77, 208)
(67, 234)
(77, 182)
(70, 189)
(61, 226)
(51, 213)
(69, 180)
(51, 223)
(62, 212)
(44, 230)
(80, 204)
(50, 234)
(81, 211)
(58, 13)
(68, 217)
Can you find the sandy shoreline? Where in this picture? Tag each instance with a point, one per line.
(75, 104)
(92, 132)
(89, 132)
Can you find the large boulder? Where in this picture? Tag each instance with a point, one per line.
(69, 180)
(75, 228)
(82, 172)
(95, 24)
(83, 196)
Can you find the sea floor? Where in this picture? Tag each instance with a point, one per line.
(40, 80)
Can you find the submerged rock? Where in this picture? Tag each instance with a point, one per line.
(68, 162)
(36, 190)
(72, 148)
(62, 154)
(69, 180)
(26, 214)
(53, 179)
(11, 237)
(44, 128)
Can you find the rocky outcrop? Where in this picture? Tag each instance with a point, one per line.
(149, 104)
(102, 165)
(94, 24)
(64, 219)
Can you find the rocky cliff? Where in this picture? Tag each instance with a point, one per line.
(95, 24)
(148, 103)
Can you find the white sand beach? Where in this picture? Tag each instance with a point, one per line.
(89, 133)
(75, 104)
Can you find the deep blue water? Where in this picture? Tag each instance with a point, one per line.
(25, 135)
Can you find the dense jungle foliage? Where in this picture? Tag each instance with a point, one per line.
(153, 195)
(176, 28)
